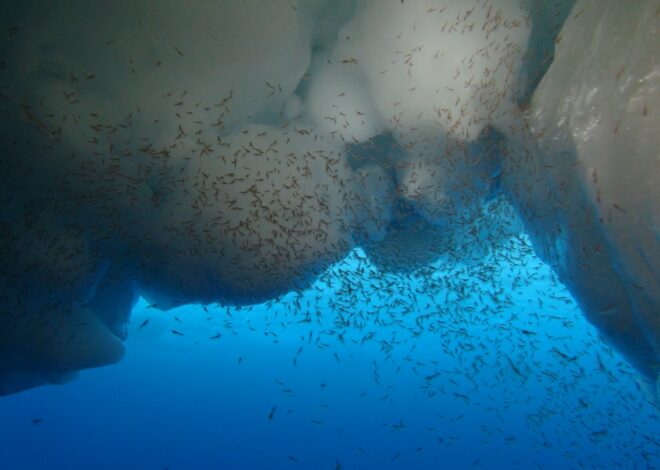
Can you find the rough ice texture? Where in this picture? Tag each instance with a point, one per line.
(267, 211)
(585, 170)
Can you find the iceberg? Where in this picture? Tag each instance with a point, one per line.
(232, 151)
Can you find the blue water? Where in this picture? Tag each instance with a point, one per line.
(465, 366)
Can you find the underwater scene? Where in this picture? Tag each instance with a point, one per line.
(329, 234)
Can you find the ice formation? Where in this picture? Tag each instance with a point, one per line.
(230, 151)
(587, 142)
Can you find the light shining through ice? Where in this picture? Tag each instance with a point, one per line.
(329, 234)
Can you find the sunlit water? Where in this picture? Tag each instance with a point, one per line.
(485, 366)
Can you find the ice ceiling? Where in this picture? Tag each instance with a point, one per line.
(230, 151)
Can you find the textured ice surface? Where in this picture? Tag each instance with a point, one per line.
(587, 176)
(231, 151)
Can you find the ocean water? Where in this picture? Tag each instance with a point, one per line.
(489, 365)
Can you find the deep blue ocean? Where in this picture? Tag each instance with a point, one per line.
(490, 365)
